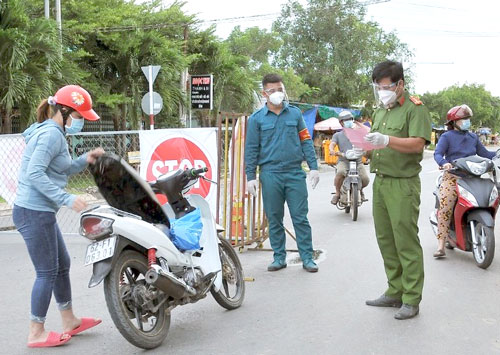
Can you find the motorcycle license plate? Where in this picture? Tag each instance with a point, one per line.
(100, 250)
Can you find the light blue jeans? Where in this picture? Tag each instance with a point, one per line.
(50, 258)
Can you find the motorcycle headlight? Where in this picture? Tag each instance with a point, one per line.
(493, 195)
(467, 195)
(477, 168)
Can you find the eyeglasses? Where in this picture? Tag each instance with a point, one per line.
(272, 91)
(384, 87)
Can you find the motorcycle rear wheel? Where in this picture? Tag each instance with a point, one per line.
(232, 276)
(354, 202)
(140, 327)
(485, 251)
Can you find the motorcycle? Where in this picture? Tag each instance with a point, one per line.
(350, 191)
(145, 275)
(473, 218)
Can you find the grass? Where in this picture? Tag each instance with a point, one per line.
(78, 183)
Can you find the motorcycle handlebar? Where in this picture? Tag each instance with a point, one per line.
(196, 172)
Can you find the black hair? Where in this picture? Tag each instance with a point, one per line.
(388, 69)
(65, 112)
(271, 78)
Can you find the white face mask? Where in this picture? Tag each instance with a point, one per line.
(387, 97)
(277, 98)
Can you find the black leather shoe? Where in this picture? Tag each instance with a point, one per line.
(406, 312)
(385, 301)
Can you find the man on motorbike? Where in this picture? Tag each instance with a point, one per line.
(346, 119)
(457, 142)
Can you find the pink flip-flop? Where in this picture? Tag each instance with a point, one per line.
(87, 323)
(54, 339)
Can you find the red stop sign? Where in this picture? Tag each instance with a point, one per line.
(179, 153)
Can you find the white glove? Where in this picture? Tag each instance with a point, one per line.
(252, 187)
(359, 152)
(377, 138)
(314, 178)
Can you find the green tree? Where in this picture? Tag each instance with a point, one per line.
(259, 47)
(486, 107)
(234, 84)
(31, 65)
(114, 39)
(330, 45)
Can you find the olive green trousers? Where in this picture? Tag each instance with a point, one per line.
(396, 204)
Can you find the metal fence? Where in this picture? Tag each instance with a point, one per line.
(82, 184)
(242, 215)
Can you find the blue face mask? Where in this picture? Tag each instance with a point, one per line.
(76, 125)
(348, 124)
(465, 125)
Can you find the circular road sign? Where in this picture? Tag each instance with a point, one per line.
(157, 103)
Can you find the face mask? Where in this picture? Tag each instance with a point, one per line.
(276, 98)
(76, 125)
(464, 125)
(387, 97)
(348, 124)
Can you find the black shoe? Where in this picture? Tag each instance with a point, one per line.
(406, 311)
(385, 301)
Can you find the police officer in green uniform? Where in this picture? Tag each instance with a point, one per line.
(278, 141)
(401, 128)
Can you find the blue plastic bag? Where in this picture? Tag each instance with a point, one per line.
(185, 232)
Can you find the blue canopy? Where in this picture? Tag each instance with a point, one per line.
(310, 119)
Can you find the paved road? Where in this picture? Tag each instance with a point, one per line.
(291, 311)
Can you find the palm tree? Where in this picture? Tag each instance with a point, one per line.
(30, 63)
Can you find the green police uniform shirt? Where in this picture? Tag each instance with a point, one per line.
(408, 118)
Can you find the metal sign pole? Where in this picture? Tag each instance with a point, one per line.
(151, 115)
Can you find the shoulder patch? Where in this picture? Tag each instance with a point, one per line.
(416, 100)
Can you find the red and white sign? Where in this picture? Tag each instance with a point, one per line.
(167, 150)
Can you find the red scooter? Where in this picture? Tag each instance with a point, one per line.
(473, 220)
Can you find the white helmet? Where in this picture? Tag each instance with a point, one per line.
(345, 115)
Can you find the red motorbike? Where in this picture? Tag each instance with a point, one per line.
(473, 220)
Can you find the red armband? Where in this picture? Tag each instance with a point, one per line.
(304, 135)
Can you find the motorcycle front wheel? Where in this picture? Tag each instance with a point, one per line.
(232, 292)
(125, 290)
(485, 251)
(354, 202)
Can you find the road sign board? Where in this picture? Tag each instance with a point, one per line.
(157, 103)
(154, 71)
(202, 91)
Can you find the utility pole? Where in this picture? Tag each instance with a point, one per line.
(58, 18)
(184, 79)
(47, 9)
